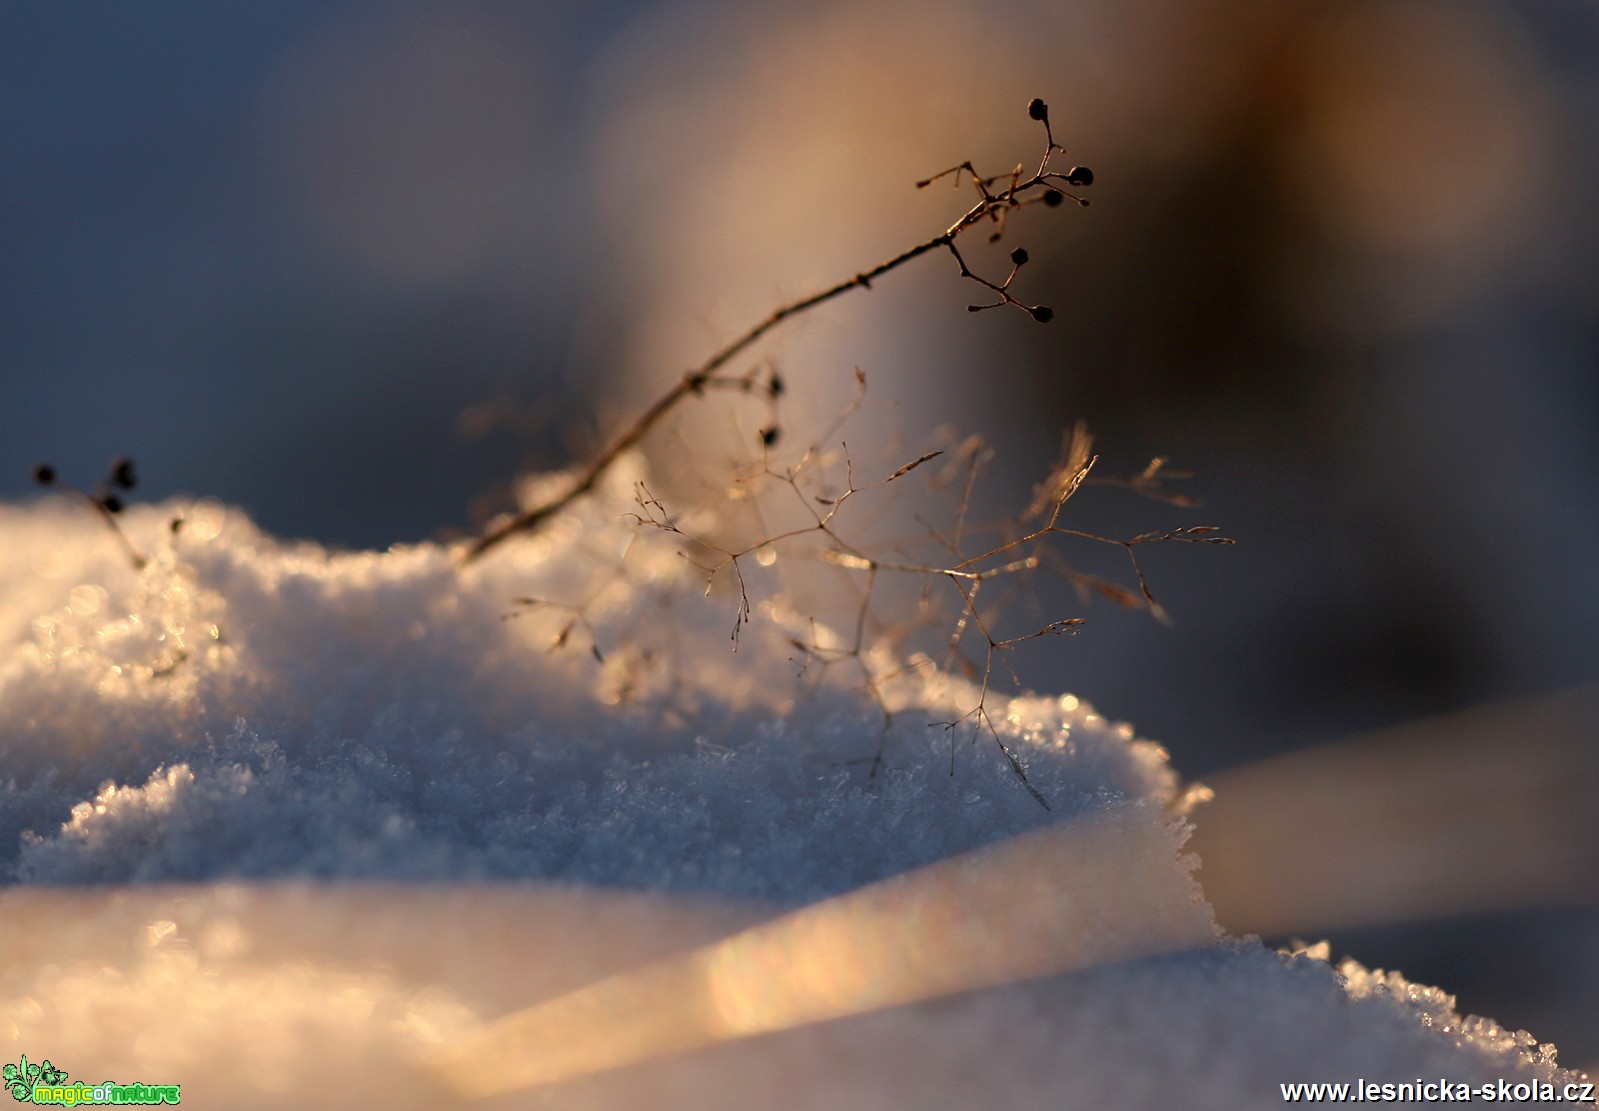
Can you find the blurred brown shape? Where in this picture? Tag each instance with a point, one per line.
(1481, 810)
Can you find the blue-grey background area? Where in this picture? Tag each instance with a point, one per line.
(169, 293)
(354, 266)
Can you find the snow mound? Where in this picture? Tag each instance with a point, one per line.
(702, 850)
(247, 708)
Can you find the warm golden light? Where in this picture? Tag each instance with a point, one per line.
(1103, 888)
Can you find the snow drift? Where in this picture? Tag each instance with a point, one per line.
(603, 851)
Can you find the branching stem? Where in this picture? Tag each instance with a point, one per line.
(1044, 185)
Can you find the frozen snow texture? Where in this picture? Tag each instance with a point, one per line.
(245, 709)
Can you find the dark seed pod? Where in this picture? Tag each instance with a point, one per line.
(1037, 109)
(1019, 256)
(44, 474)
(1080, 175)
(774, 388)
(112, 503)
(769, 435)
(122, 474)
(1054, 199)
(1043, 314)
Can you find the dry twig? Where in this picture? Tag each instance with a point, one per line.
(994, 205)
(814, 503)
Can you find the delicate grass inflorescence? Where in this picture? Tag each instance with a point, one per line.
(809, 490)
(106, 500)
(792, 502)
(1044, 185)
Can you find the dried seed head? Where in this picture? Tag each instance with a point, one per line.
(1080, 175)
(1043, 314)
(122, 473)
(112, 503)
(1054, 199)
(1019, 256)
(44, 474)
(1037, 109)
(774, 388)
(769, 435)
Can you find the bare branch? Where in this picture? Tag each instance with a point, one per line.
(1044, 185)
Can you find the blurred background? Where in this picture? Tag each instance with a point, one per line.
(354, 266)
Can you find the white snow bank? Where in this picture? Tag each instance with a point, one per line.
(246, 709)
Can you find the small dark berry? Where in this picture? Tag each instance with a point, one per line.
(1043, 314)
(1080, 175)
(112, 503)
(774, 388)
(122, 475)
(1038, 109)
(1054, 199)
(44, 474)
(769, 435)
(1019, 257)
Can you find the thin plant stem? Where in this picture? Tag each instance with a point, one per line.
(1043, 185)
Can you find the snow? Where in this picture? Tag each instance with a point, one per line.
(623, 844)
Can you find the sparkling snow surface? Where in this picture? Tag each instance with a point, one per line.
(539, 817)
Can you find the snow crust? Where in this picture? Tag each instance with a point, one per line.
(248, 709)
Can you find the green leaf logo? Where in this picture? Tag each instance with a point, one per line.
(20, 1079)
(17, 1079)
